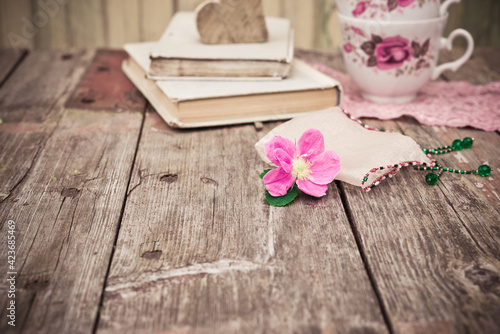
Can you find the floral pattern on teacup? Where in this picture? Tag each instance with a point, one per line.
(388, 53)
(369, 9)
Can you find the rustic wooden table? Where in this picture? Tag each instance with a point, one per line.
(125, 225)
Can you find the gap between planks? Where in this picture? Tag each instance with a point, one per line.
(6, 73)
(359, 244)
(122, 210)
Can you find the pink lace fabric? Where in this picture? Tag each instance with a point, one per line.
(455, 104)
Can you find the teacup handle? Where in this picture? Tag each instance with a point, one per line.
(448, 43)
(444, 6)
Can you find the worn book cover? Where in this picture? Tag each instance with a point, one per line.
(180, 52)
(210, 103)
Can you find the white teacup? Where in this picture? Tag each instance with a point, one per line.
(394, 10)
(391, 61)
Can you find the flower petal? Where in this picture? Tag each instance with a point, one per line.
(311, 143)
(279, 142)
(313, 189)
(284, 159)
(324, 168)
(278, 181)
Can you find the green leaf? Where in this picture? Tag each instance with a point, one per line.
(264, 173)
(282, 200)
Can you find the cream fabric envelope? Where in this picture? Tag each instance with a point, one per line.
(364, 152)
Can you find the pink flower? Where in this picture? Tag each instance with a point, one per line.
(360, 8)
(307, 165)
(348, 47)
(392, 52)
(358, 31)
(404, 3)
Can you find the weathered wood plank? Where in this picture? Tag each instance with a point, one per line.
(68, 201)
(9, 59)
(105, 86)
(433, 250)
(200, 250)
(31, 105)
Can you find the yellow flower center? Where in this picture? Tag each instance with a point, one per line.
(300, 168)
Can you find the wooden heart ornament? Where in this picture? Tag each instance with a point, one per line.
(231, 21)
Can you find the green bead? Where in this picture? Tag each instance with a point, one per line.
(457, 144)
(450, 170)
(431, 179)
(467, 142)
(484, 170)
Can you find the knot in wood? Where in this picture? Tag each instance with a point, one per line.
(169, 178)
(487, 280)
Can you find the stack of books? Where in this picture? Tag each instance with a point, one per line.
(191, 84)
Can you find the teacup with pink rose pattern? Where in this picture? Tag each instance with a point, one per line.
(391, 61)
(397, 10)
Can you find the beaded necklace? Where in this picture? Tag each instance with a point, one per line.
(457, 145)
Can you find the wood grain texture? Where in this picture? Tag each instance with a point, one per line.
(200, 250)
(67, 200)
(31, 106)
(104, 86)
(433, 250)
(8, 60)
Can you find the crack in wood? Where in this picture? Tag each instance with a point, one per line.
(26, 172)
(70, 192)
(151, 279)
(471, 235)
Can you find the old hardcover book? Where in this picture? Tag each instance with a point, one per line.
(180, 53)
(209, 103)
